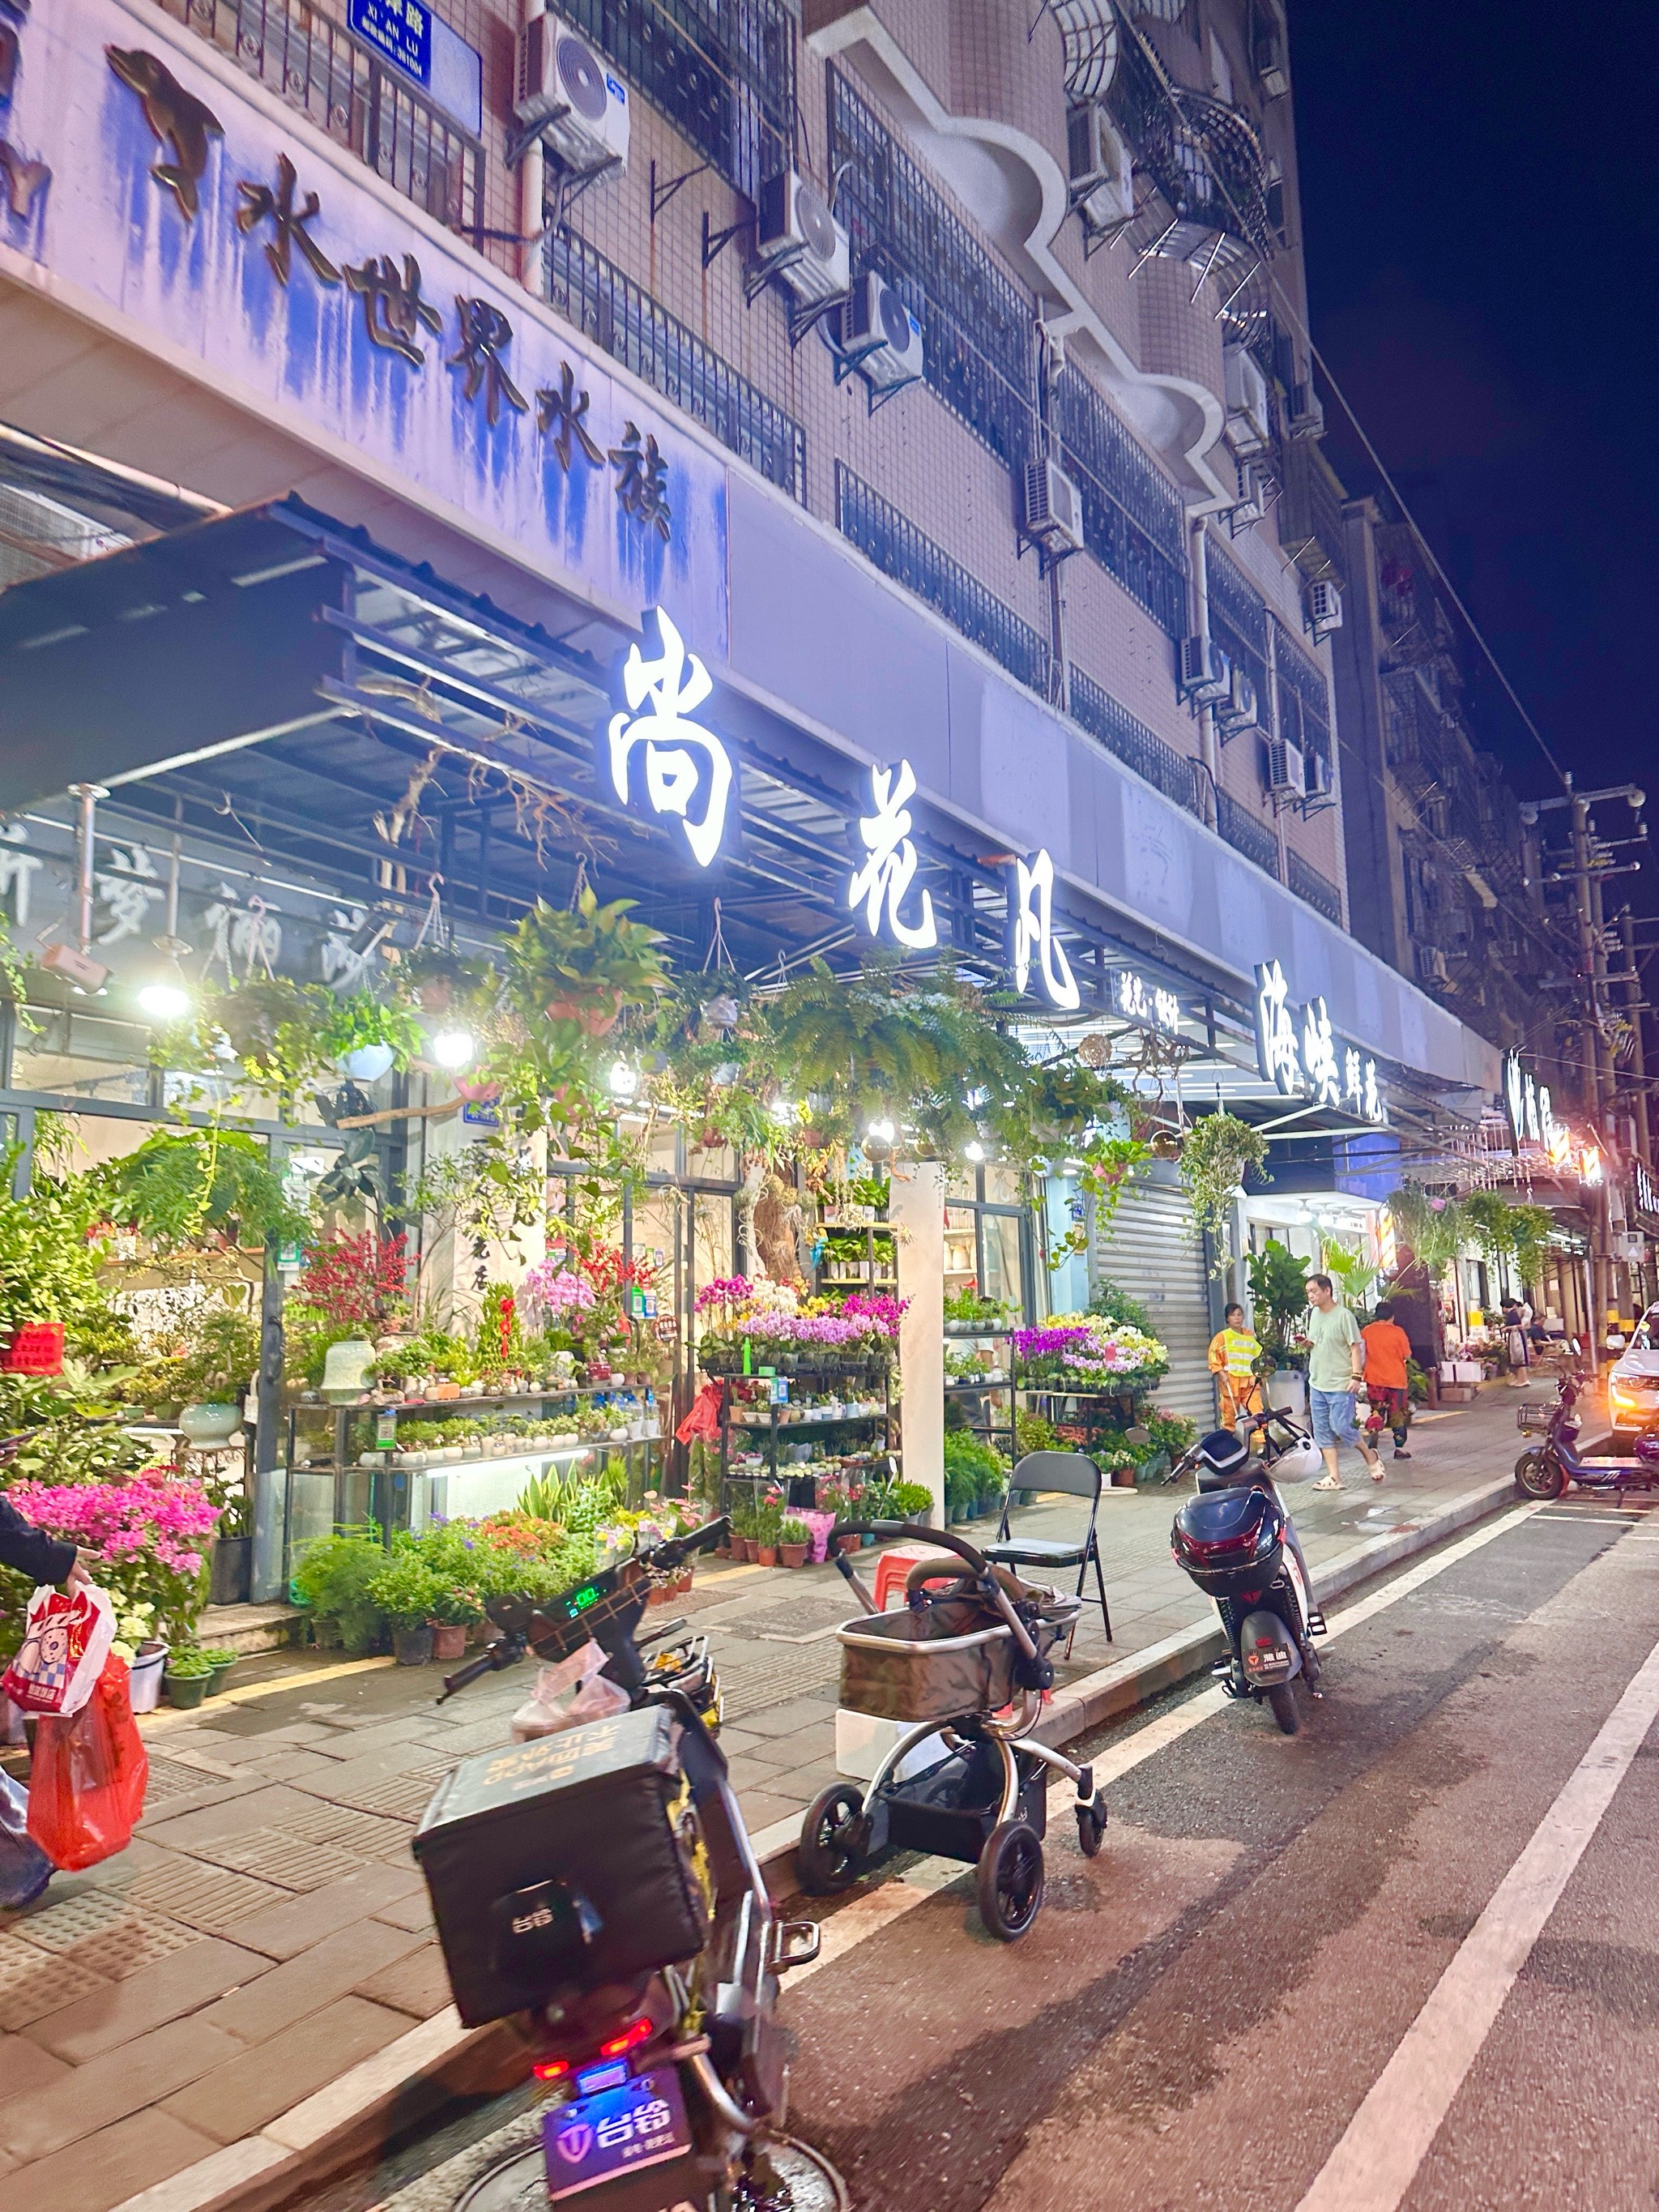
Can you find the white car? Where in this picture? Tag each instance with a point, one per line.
(1633, 1390)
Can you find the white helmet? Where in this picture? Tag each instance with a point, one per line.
(1298, 1462)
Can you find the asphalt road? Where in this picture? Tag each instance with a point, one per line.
(1408, 1958)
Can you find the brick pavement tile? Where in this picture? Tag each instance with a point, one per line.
(415, 1984)
(386, 1735)
(267, 1806)
(239, 2096)
(340, 1963)
(116, 2014)
(24, 2066)
(414, 1911)
(295, 1925)
(204, 1790)
(287, 1861)
(105, 2168)
(292, 1763)
(752, 1774)
(34, 1983)
(760, 1808)
(142, 2072)
(782, 1720)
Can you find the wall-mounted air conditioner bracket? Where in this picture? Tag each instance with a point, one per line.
(661, 194)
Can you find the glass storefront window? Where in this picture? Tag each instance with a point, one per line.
(1005, 1270)
(80, 1055)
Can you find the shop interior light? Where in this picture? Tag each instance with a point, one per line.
(452, 1047)
(624, 1079)
(165, 1000)
(974, 1152)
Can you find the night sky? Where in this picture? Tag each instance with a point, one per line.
(1480, 197)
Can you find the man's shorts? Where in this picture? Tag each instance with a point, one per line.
(1333, 1418)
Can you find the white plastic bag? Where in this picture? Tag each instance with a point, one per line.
(66, 1639)
(567, 1694)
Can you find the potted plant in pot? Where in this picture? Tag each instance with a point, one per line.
(408, 1592)
(220, 1658)
(214, 1375)
(795, 1541)
(588, 966)
(331, 1579)
(350, 1289)
(188, 1677)
(455, 1611)
(1279, 1296)
(365, 1038)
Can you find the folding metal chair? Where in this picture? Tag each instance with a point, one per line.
(1076, 1474)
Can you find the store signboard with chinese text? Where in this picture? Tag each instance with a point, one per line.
(229, 240)
(1531, 1114)
(1303, 1055)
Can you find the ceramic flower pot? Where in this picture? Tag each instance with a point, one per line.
(186, 1691)
(344, 1366)
(449, 1639)
(368, 1064)
(413, 1647)
(209, 1425)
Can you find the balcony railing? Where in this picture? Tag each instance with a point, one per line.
(1137, 747)
(318, 67)
(899, 549)
(1132, 521)
(1246, 833)
(1318, 891)
(1309, 512)
(626, 322)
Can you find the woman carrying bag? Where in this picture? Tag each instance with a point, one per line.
(25, 1869)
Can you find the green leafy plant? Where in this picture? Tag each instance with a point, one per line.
(1111, 1302)
(361, 1018)
(909, 1501)
(1278, 1293)
(404, 1589)
(588, 966)
(1346, 1265)
(1431, 1227)
(791, 1531)
(190, 1661)
(1217, 1152)
(1032, 1433)
(224, 1352)
(182, 1188)
(331, 1579)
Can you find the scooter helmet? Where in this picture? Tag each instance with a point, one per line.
(1298, 1462)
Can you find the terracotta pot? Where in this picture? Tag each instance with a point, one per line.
(587, 1016)
(849, 1543)
(751, 1550)
(793, 1555)
(767, 1554)
(444, 1391)
(449, 1639)
(1123, 1478)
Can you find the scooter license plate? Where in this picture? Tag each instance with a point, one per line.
(638, 2126)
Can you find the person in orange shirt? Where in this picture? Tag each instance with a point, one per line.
(1388, 1348)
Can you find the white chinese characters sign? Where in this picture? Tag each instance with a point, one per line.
(687, 769)
(1299, 1052)
(1031, 923)
(881, 883)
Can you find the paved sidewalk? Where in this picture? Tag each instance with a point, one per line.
(267, 1932)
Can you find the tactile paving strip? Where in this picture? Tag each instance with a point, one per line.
(814, 1674)
(168, 1778)
(404, 1796)
(278, 1855)
(33, 1983)
(208, 1898)
(324, 1822)
(106, 1933)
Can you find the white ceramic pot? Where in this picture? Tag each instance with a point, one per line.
(209, 1425)
(344, 1367)
(368, 1064)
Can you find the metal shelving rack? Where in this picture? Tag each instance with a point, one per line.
(1003, 1436)
(773, 1427)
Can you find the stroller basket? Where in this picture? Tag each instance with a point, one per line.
(940, 1662)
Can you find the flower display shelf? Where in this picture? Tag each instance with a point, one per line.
(762, 1422)
(995, 1391)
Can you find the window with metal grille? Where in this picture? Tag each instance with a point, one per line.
(1318, 891)
(632, 328)
(976, 323)
(899, 549)
(722, 71)
(318, 67)
(1141, 749)
(1246, 833)
(1304, 713)
(1133, 521)
(1238, 619)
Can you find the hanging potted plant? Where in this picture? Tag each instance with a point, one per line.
(588, 965)
(365, 1038)
(1218, 1151)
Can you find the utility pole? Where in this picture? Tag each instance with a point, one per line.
(1632, 979)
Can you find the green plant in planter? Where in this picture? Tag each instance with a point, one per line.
(588, 966)
(456, 1606)
(223, 1355)
(910, 1501)
(1278, 1293)
(1033, 1433)
(182, 1188)
(331, 1579)
(791, 1531)
(1217, 1152)
(1431, 1227)
(273, 1027)
(405, 1589)
(1112, 1302)
(189, 1661)
(360, 1019)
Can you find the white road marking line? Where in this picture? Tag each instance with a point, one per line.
(879, 1908)
(1388, 2137)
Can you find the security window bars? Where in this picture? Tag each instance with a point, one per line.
(1133, 521)
(1318, 891)
(1246, 833)
(1238, 620)
(632, 328)
(317, 67)
(1304, 714)
(1141, 749)
(976, 323)
(722, 71)
(898, 548)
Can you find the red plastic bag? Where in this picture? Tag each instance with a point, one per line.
(88, 1778)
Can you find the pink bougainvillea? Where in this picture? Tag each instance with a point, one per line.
(144, 1540)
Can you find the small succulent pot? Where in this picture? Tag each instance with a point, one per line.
(186, 1691)
(413, 1647)
(449, 1639)
(793, 1555)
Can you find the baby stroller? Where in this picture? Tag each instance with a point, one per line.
(970, 1641)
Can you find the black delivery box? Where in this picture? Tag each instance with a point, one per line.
(565, 1863)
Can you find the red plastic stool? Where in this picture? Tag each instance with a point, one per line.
(893, 1566)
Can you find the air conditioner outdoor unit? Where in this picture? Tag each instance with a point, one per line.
(1286, 775)
(1054, 508)
(879, 335)
(1271, 74)
(795, 230)
(1240, 710)
(568, 97)
(1101, 169)
(1432, 964)
(1324, 606)
(1204, 671)
(1250, 421)
(1317, 775)
(1256, 497)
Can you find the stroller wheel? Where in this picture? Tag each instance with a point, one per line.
(833, 1837)
(1092, 1825)
(1010, 1880)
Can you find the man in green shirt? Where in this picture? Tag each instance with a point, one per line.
(1336, 1362)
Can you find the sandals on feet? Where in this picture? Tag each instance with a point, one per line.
(1328, 1482)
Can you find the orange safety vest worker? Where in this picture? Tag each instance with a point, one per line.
(1233, 1354)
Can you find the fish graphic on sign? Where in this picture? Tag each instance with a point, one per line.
(175, 117)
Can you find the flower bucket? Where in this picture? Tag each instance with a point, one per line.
(767, 1555)
(144, 1682)
(36, 1348)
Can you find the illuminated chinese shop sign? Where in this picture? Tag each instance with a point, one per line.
(687, 768)
(1033, 948)
(1148, 1004)
(1644, 1190)
(879, 889)
(1532, 1118)
(1301, 1054)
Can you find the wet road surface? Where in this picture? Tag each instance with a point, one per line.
(1408, 1958)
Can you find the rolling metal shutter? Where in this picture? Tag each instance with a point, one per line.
(1153, 1251)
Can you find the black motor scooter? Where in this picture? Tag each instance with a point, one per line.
(599, 1886)
(1235, 1540)
(1617, 1461)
